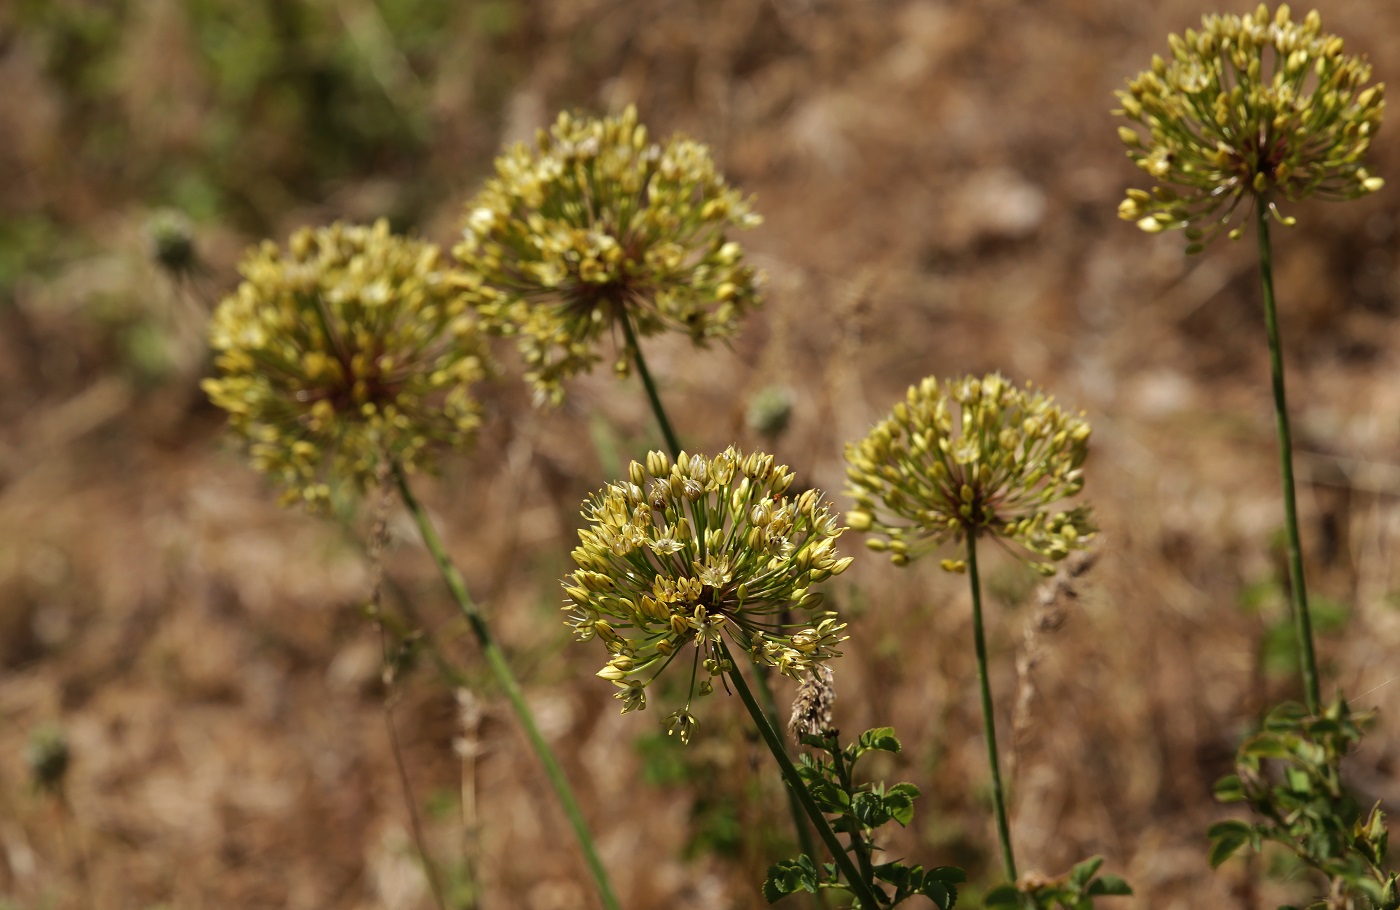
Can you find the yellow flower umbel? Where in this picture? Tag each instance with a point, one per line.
(599, 224)
(1250, 108)
(350, 346)
(688, 552)
(971, 457)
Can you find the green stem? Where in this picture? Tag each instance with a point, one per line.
(506, 679)
(1302, 621)
(770, 707)
(430, 868)
(859, 846)
(671, 442)
(988, 721)
(863, 890)
(804, 830)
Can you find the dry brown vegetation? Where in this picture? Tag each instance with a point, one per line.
(939, 183)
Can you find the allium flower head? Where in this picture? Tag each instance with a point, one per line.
(1250, 108)
(971, 457)
(684, 554)
(597, 222)
(349, 346)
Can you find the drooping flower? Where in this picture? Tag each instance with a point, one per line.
(971, 457)
(349, 346)
(684, 555)
(1252, 108)
(598, 223)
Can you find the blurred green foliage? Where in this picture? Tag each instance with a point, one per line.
(258, 105)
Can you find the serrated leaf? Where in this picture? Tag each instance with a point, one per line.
(1110, 885)
(1324, 727)
(899, 803)
(1229, 789)
(942, 895)
(1299, 781)
(1265, 745)
(881, 739)
(869, 809)
(952, 875)
(896, 873)
(1081, 873)
(790, 876)
(829, 796)
(1286, 716)
(1227, 837)
(1002, 896)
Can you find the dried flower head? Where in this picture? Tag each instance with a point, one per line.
(351, 345)
(1250, 108)
(48, 757)
(171, 238)
(598, 223)
(770, 411)
(811, 709)
(971, 457)
(692, 551)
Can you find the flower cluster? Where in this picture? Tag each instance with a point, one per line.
(692, 551)
(970, 457)
(1249, 108)
(350, 346)
(598, 224)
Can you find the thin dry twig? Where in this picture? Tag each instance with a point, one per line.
(392, 654)
(1052, 599)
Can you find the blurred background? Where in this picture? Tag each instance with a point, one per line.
(939, 183)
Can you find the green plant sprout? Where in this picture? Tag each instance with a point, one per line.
(860, 809)
(1288, 774)
(345, 362)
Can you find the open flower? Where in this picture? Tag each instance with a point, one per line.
(1250, 108)
(350, 346)
(684, 554)
(597, 224)
(971, 457)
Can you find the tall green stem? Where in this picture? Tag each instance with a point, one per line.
(672, 442)
(988, 721)
(804, 830)
(496, 659)
(1302, 621)
(804, 834)
(863, 890)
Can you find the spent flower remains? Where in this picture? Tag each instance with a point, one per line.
(971, 457)
(1250, 108)
(692, 551)
(600, 230)
(349, 346)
